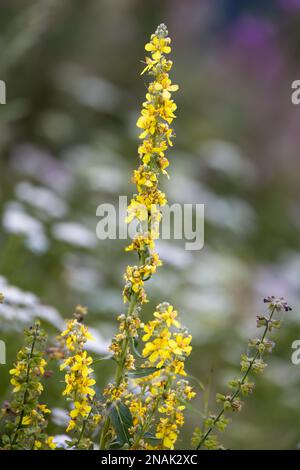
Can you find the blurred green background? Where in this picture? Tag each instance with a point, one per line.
(68, 143)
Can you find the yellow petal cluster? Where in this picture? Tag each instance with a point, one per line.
(78, 378)
(165, 346)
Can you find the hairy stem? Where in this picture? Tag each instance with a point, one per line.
(121, 365)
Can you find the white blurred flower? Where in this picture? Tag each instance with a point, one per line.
(174, 254)
(34, 162)
(16, 220)
(21, 307)
(89, 90)
(74, 233)
(59, 416)
(226, 158)
(60, 441)
(100, 344)
(41, 198)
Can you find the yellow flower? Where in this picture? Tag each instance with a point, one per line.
(158, 349)
(41, 366)
(37, 445)
(86, 386)
(39, 387)
(44, 409)
(26, 420)
(97, 418)
(79, 384)
(189, 393)
(138, 410)
(70, 380)
(148, 149)
(149, 329)
(147, 121)
(164, 85)
(168, 316)
(81, 408)
(141, 243)
(16, 384)
(177, 367)
(167, 432)
(85, 332)
(71, 425)
(19, 368)
(50, 442)
(115, 393)
(181, 345)
(179, 419)
(82, 363)
(138, 210)
(158, 46)
(166, 110)
(150, 63)
(142, 177)
(151, 199)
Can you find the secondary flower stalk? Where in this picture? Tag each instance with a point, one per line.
(78, 379)
(242, 385)
(27, 430)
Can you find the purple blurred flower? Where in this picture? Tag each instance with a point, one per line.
(253, 40)
(253, 32)
(289, 5)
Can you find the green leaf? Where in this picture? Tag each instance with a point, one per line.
(121, 420)
(191, 408)
(115, 445)
(5, 439)
(202, 388)
(142, 372)
(102, 358)
(135, 350)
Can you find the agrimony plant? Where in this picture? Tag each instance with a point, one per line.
(155, 412)
(252, 362)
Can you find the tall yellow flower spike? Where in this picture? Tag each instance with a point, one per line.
(156, 116)
(167, 343)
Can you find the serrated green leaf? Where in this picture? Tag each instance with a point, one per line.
(121, 420)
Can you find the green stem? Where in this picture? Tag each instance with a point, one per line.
(148, 421)
(119, 372)
(83, 427)
(145, 426)
(121, 362)
(238, 391)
